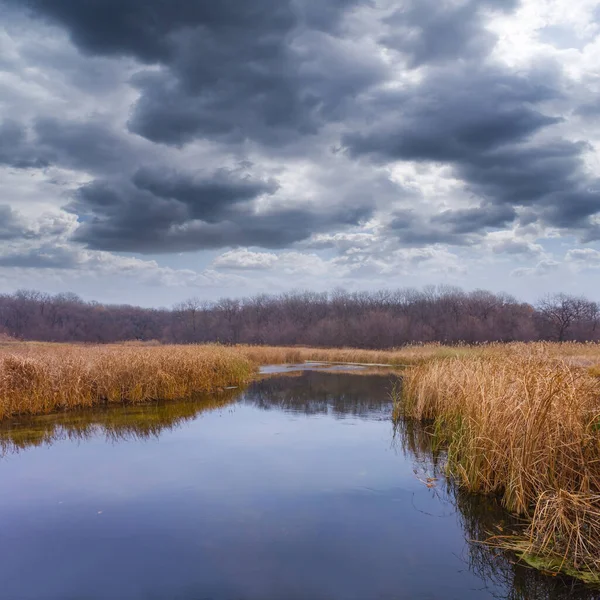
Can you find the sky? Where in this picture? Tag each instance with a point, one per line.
(156, 150)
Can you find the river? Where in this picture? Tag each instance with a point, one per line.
(297, 488)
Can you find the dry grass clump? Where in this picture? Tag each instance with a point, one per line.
(576, 354)
(565, 529)
(407, 355)
(522, 423)
(594, 371)
(39, 379)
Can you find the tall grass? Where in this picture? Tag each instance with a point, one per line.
(407, 355)
(43, 378)
(576, 354)
(521, 422)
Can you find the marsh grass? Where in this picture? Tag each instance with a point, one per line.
(517, 421)
(408, 355)
(521, 423)
(485, 523)
(576, 354)
(40, 379)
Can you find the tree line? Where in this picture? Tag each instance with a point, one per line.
(381, 319)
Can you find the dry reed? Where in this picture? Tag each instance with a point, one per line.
(39, 379)
(407, 355)
(522, 422)
(576, 354)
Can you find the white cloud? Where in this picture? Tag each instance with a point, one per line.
(543, 268)
(286, 262)
(244, 259)
(583, 258)
(517, 246)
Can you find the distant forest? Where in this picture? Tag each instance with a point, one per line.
(382, 319)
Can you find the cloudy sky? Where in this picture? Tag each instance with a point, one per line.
(153, 150)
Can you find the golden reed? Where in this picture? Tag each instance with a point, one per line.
(42, 378)
(39, 378)
(523, 422)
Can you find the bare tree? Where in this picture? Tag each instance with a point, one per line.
(382, 319)
(562, 311)
(188, 316)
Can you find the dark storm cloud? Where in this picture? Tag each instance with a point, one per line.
(455, 114)
(17, 149)
(264, 89)
(589, 110)
(231, 70)
(483, 123)
(118, 214)
(206, 198)
(471, 220)
(145, 29)
(458, 227)
(435, 31)
(574, 208)
(525, 174)
(89, 145)
(276, 72)
(548, 180)
(412, 229)
(270, 71)
(174, 212)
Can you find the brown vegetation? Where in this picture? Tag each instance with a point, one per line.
(274, 355)
(575, 354)
(42, 378)
(520, 421)
(523, 422)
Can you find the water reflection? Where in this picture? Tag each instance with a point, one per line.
(481, 519)
(315, 392)
(307, 392)
(115, 423)
(337, 512)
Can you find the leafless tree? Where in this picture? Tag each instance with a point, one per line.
(561, 312)
(382, 319)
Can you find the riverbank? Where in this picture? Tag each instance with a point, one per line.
(38, 378)
(522, 424)
(45, 378)
(517, 421)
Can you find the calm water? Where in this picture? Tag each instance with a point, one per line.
(297, 489)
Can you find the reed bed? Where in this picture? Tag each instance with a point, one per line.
(39, 378)
(523, 422)
(43, 378)
(576, 354)
(520, 421)
(399, 357)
